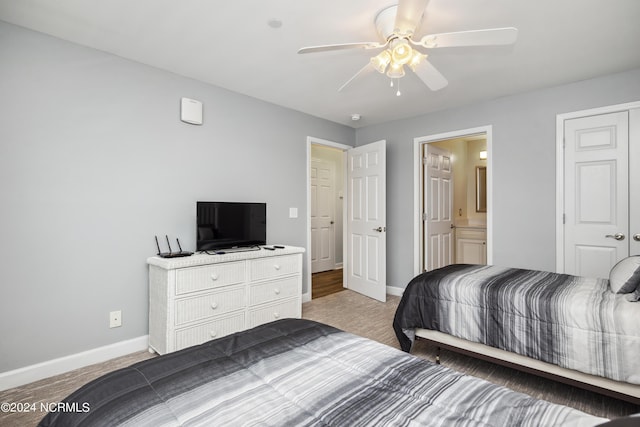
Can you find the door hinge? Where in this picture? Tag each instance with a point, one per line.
(424, 216)
(564, 218)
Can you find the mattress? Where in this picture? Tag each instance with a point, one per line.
(569, 321)
(296, 372)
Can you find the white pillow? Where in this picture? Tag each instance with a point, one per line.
(624, 277)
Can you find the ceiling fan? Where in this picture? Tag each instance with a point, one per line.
(396, 26)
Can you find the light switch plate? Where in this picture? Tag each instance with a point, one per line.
(293, 212)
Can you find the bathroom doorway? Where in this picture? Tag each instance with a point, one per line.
(452, 201)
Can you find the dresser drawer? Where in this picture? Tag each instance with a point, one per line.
(266, 314)
(211, 304)
(274, 290)
(269, 267)
(207, 331)
(209, 277)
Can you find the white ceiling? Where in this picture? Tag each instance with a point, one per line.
(230, 44)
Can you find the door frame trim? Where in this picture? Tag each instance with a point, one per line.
(560, 119)
(417, 188)
(306, 297)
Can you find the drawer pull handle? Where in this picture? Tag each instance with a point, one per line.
(213, 334)
(277, 291)
(276, 266)
(214, 276)
(214, 305)
(276, 315)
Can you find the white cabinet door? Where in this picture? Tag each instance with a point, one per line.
(471, 251)
(366, 220)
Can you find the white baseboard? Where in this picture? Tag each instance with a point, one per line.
(47, 369)
(306, 297)
(393, 290)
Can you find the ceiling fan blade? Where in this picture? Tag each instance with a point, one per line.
(408, 16)
(430, 76)
(493, 36)
(364, 70)
(342, 46)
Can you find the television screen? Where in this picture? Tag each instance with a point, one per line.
(223, 225)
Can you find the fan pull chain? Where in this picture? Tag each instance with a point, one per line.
(398, 92)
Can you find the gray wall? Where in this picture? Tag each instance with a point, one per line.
(524, 166)
(94, 162)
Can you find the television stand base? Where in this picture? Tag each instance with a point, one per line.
(232, 250)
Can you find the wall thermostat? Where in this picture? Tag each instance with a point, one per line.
(191, 111)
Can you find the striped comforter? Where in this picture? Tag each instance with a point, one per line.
(301, 373)
(573, 322)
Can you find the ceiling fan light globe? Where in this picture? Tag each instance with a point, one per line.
(395, 71)
(402, 52)
(416, 60)
(381, 61)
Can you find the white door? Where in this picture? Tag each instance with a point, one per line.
(634, 182)
(366, 220)
(438, 207)
(322, 216)
(596, 193)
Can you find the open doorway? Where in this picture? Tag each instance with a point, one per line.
(452, 200)
(325, 206)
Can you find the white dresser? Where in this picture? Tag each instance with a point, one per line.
(198, 298)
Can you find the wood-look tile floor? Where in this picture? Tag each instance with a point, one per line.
(352, 312)
(326, 283)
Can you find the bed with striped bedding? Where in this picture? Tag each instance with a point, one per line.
(572, 322)
(295, 372)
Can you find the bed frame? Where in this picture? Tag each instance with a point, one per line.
(617, 389)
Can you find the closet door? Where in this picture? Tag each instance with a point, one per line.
(634, 182)
(601, 190)
(596, 193)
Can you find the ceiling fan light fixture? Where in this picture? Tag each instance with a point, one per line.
(416, 60)
(401, 52)
(395, 71)
(381, 60)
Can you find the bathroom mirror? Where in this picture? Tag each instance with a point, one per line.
(481, 188)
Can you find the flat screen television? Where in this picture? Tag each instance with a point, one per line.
(224, 225)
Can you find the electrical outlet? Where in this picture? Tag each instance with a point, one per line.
(115, 319)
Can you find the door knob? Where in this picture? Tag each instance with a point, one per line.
(636, 237)
(617, 236)
(380, 229)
